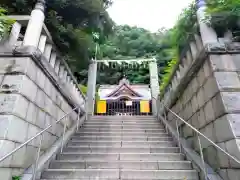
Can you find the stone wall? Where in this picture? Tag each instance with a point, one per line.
(37, 88)
(208, 97)
(29, 102)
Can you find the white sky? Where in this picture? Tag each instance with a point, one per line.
(149, 14)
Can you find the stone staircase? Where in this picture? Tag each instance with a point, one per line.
(136, 148)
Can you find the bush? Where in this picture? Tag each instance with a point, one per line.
(5, 23)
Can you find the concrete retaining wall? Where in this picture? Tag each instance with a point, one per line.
(29, 102)
(210, 101)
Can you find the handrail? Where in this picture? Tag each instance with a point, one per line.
(37, 135)
(199, 133)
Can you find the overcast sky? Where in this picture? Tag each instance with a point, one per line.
(149, 14)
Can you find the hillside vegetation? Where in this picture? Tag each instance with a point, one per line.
(74, 25)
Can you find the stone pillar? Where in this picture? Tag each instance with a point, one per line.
(42, 43)
(35, 25)
(15, 32)
(48, 51)
(228, 36)
(57, 66)
(65, 76)
(61, 71)
(154, 83)
(208, 34)
(53, 59)
(68, 79)
(91, 87)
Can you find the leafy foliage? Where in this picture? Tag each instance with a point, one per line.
(16, 178)
(224, 15)
(131, 43)
(5, 23)
(178, 37)
(83, 89)
(71, 23)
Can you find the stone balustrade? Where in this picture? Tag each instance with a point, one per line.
(37, 89)
(188, 58)
(205, 91)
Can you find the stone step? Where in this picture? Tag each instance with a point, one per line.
(120, 133)
(122, 117)
(122, 156)
(120, 129)
(158, 174)
(105, 149)
(154, 165)
(119, 174)
(75, 142)
(124, 126)
(122, 138)
(101, 179)
(122, 123)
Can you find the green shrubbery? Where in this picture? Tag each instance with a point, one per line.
(16, 178)
(222, 15)
(5, 23)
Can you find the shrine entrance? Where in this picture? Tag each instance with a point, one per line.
(124, 99)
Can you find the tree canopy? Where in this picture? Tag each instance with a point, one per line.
(72, 24)
(131, 43)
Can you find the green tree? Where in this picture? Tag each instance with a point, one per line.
(71, 23)
(5, 23)
(224, 15)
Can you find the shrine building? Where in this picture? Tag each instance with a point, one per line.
(124, 99)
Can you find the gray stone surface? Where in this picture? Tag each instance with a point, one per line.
(195, 121)
(233, 148)
(14, 103)
(29, 99)
(40, 99)
(231, 101)
(210, 88)
(233, 174)
(223, 174)
(223, 159)
(32, 113)
(207, 69)
(209, 132)
(223, 128)
(201, 77)
(20, 83)
(92, 155)
(209, 111)
(6, 173)
(200, 97)
(227, 80)
(11, 127)
(194, 103)
(235, 58)
(218, 105)
(217, 112)
(195, 85)
(222, 62)
(40, 78)
(210, 154)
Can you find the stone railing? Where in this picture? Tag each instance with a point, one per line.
(37, 89)
(204, 91)
(48, 50)
(188, 58)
